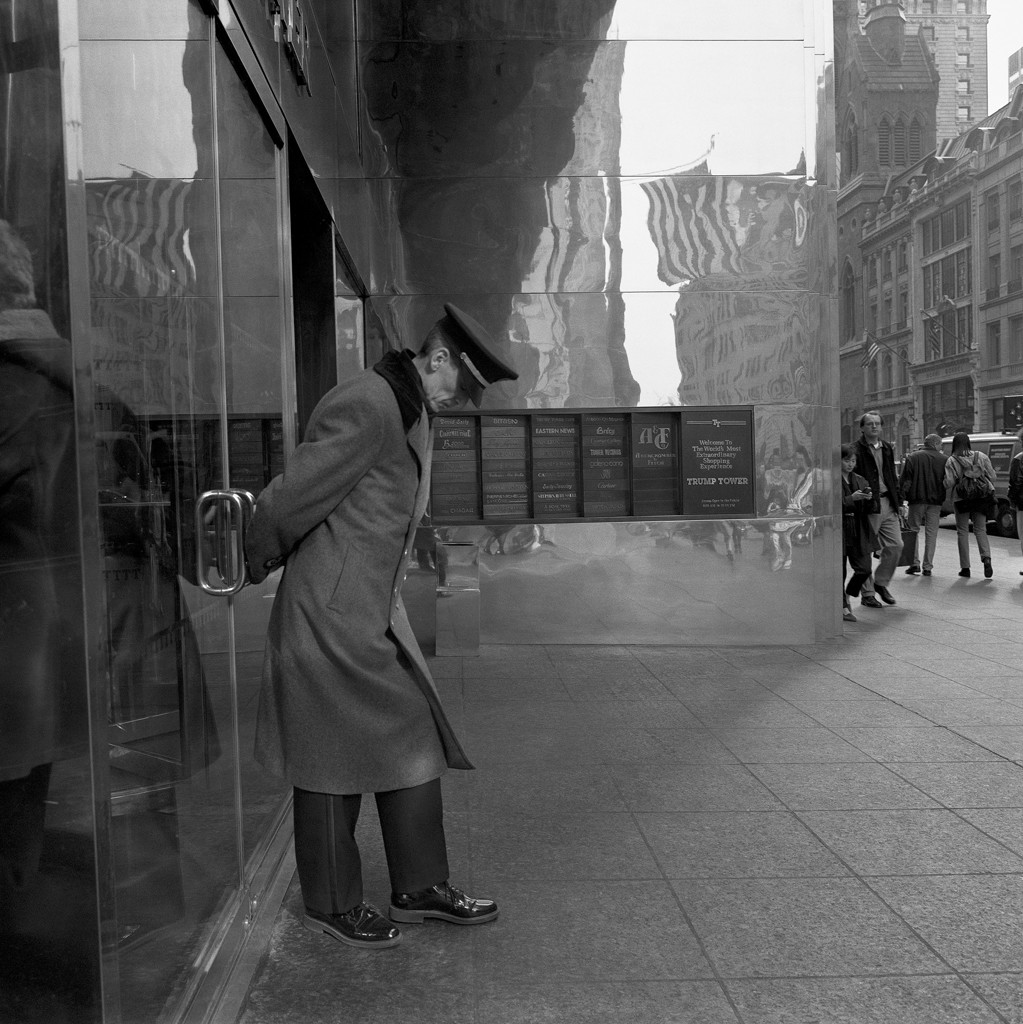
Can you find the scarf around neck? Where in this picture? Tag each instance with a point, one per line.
(401, 374)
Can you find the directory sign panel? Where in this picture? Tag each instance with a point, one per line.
(596, 464)
(717, 462)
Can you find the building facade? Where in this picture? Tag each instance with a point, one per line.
(215, 210)
(1015, 70)
(998, 201)
(956, 33)
(942, 256)
(886, 100)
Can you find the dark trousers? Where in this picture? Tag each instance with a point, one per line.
(861, 573)
(327, 856)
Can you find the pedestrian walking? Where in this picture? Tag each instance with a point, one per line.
(875, 462)
(971, 478)
(1015, 493)
(856, 534)
(922, 487)
(347, 704)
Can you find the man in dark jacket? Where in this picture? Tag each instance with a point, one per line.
(347, 704)
(875, 462)
(922, 485)
(1015, 493)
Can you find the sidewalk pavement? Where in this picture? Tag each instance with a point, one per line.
(829, 833)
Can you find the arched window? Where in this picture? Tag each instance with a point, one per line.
(901, 376)
(884, 143)
(848, 327)
(899, 144)
(915, 140)
(886, 381)
(850, 148)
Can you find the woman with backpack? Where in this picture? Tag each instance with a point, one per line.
(970, 477)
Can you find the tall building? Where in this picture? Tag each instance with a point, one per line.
(956, 33)
(1015, 70)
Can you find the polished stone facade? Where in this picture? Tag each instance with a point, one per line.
(635, 227)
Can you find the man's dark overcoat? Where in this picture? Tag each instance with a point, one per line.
(922, 480)
(347, 702)
(867, 468)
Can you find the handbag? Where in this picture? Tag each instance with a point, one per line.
(909, 538)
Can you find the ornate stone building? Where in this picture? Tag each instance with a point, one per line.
(886, 97)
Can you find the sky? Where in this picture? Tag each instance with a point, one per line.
(1004, 36)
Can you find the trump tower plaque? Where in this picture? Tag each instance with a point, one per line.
(596, 464)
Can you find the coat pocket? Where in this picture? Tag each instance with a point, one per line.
(348, 580)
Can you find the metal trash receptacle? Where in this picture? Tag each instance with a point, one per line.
(458, 599)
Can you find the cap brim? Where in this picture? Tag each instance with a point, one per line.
(479, 353)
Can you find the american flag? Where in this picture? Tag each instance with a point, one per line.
(873, 349)
(719, 224)
(138, 236)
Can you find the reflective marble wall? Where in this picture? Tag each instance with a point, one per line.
(638, 200)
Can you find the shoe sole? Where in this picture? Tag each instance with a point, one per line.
(419, 916)
(325, 929)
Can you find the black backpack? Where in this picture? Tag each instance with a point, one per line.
(973, 485)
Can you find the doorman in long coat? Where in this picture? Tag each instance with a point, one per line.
(347, 704)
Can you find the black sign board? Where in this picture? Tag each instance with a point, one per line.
(597, 464)
(504, 459)
(606, 465)
(717, 461)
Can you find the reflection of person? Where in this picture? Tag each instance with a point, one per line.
(348, 705)
(976, 511)
(42, 696)
(922, 485)
(856, 536)
(787, 483)
(875, 462)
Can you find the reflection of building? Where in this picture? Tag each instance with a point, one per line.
(745, 329)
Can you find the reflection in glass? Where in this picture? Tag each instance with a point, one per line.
(253, 336)
(49, 928)
(158, 371)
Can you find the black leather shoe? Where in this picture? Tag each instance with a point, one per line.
(443, 902)
(362, 926)
(927, 572)
(883, 593)
(869, 601)
(965, 573)
(912, 570)
(988, 569)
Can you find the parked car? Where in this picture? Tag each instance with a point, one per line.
(999, 448)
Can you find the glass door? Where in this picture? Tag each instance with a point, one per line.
(184, 186)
